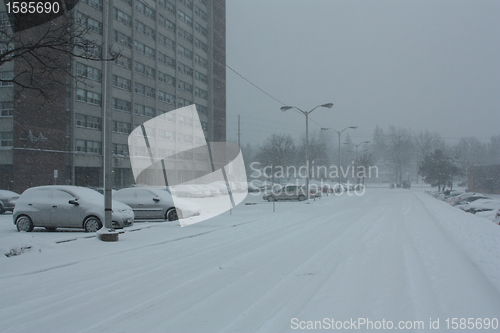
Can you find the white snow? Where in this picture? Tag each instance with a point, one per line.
(393, 255)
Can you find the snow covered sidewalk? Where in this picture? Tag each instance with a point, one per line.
(389, 256)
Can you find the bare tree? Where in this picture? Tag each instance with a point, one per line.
(400, 150)
(277, 150)
(42, 54)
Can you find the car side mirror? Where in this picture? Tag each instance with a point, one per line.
(74, 202)
(156, 199)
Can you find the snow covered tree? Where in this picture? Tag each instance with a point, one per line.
(437, 169)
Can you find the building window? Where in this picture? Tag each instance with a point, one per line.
(93, 147)
(167, 5)
(145, 70)
(88, 146)
(90, 23)
(6, 139)
(167, 79)
(200, 93)
(89, 48)
(184, 52)
(89, 97)
(122, 83)
(184, 35)
(202, 109)
(166, 97)
(120, 149)
(145, 9)
(183, 102)
(121, 127)
(200, 77)
(201, 45)
(124, 62)
(6, 109)
(88, 72)
(145, 90)
(97, 4)
(6, 79)
(143, 110)
(122, 39)
(200, 61)
(165, 59)
(185, 18)
(144, 49)
(164, 40)
(198, 27)
(200, 13)
(187, 3)
(166, 23)
(122, 17)
(122, 105)
(144, 29)
(184, 86)
(87, 121)
(185, 69)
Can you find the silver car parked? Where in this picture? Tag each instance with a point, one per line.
(150, 203)
(64, 206)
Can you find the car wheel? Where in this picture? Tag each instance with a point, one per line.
(271, 198)
(92, 224)
(50, 228)
(24, 223)
(2, 210)
(171, 215)
(302, 197)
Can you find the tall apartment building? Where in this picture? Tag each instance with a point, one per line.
(172, 54)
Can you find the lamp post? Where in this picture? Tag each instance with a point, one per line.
(356, 145)
(306, 113)
(339, 133)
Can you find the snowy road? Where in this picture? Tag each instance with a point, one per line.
(392, 255)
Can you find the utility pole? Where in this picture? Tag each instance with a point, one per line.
(239, 132)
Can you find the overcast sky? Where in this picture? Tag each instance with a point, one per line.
(416, 64)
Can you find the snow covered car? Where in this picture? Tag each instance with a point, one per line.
(188, 191)
(469, 199)
(65, 206)
(149, 203)
(7, 200)
(479, 205)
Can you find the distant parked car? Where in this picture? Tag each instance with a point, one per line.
(7, 200)
(150, 203)
(189, 191)
(64, 206)
(290, 192)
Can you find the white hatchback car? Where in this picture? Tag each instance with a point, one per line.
(65, 206)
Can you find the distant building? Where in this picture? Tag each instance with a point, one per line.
(172, 55)
(484, 179)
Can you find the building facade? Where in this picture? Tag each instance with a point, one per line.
(171, 54)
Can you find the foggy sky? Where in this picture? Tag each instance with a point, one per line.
(416, 64)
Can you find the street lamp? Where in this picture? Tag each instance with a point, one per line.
(338, 132)
(356, 145)
(306, 113)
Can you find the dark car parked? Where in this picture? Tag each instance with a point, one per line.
(8, 200)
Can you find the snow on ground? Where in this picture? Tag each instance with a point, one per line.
(393, 255)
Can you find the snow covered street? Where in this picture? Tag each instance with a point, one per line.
(398, 256)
